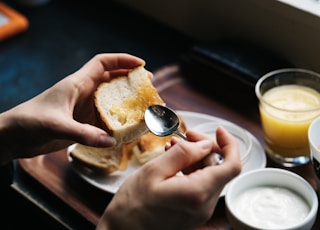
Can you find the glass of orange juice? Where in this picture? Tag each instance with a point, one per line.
(289, 100)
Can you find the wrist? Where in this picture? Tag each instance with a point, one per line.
(118, 216)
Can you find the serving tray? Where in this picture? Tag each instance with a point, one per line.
(55, 172)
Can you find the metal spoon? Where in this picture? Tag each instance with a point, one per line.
(163, 121)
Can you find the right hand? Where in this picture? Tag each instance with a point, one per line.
(154, 197)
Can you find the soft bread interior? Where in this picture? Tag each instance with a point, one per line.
(121, 104)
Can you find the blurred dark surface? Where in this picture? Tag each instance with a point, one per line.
(231, 67)
(64, 34)
(61, 37)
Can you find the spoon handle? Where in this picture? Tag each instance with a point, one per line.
(182, 135)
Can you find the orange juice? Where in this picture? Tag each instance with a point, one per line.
(286, 112)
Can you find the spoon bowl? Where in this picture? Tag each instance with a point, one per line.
(162, 121)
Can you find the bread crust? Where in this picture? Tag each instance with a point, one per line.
(100, 160)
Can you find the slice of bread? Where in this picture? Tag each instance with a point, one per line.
(121, 104)
(149, 146)
(102, 160)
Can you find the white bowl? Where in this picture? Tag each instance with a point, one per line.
(314, 144)
(271, 198)
(242, 135)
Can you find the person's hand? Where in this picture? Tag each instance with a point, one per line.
(64, 113)
(155, 197)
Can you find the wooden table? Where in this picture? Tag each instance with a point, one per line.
(56, 174)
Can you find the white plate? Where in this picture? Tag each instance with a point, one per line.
(111, 183)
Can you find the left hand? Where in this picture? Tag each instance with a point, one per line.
(64, 113)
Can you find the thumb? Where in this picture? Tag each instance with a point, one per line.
(89, 135)
(182, 155)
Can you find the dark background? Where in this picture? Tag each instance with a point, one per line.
(63, 35)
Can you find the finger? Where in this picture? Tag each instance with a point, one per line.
(228, 144)
(230, 151)
(197, 136)
(180, 156)
(88, 135)
(172, 142)
(167, 146)
(103, 67)
(119, 61)
(210, 159)
(117, 73)
(222, 138)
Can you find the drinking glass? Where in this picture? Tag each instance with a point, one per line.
(289, 100)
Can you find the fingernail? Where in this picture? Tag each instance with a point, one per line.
(205, 144)
(107, 141)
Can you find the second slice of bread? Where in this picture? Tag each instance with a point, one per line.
(149, 146)
(102, 160)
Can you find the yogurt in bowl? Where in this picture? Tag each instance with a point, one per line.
(271, 198)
